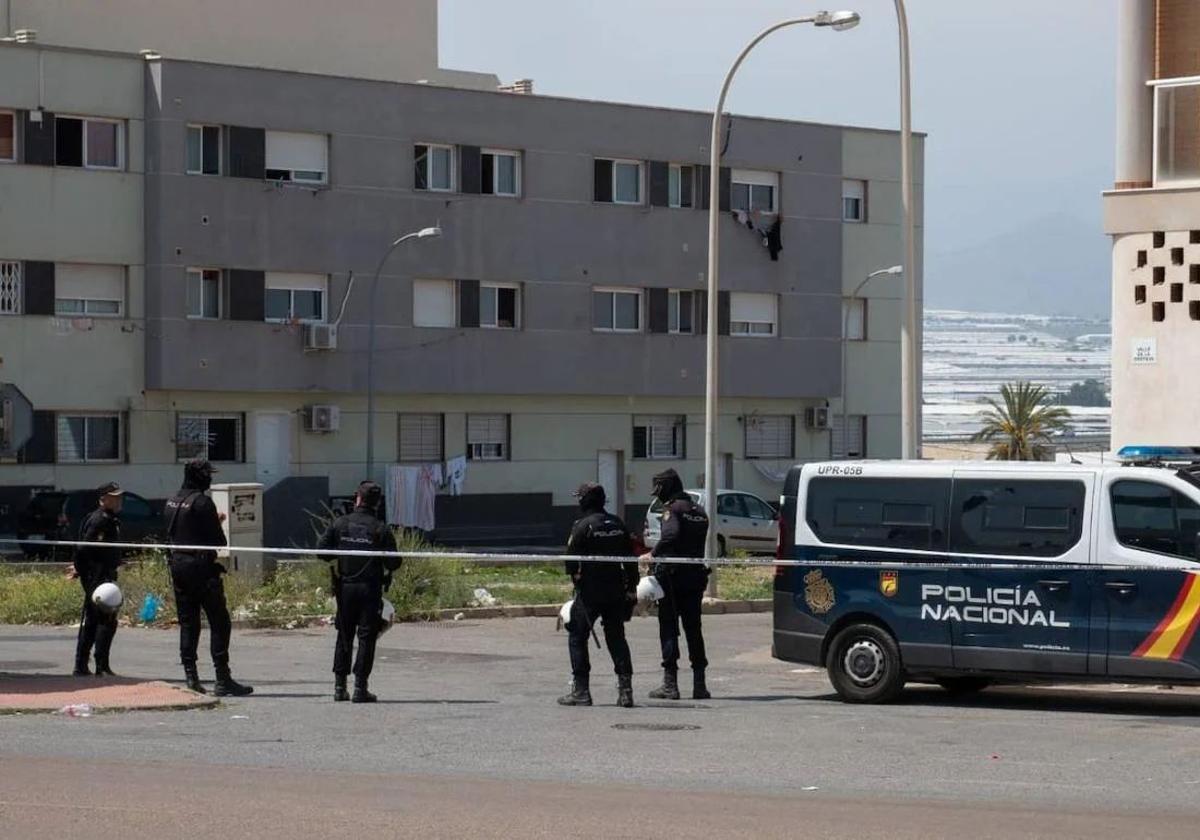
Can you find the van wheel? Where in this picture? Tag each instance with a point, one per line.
(864, 664)
(960, 686)
(721, 552)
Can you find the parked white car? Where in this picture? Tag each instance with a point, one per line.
(744, 522)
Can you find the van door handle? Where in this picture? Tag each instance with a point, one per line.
(1122, 587)
(1055, 585)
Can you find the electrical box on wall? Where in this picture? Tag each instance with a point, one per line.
(817, 417)
(322, 418)
(320, 337)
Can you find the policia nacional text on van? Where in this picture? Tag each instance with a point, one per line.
(970, 574)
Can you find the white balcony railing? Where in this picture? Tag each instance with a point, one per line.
(1176, 131)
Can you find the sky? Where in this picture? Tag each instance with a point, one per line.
(1016, 96)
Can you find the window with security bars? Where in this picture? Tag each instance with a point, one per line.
(88, 438)
(10, 287)
(487, 437)
(214, 437)
(770, 436)
(421, 438)
(659, 437)
(850, 437)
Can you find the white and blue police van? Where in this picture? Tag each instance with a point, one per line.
(969, 574)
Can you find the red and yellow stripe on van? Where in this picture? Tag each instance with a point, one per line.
(1173, 634)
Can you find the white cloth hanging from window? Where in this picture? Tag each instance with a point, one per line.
(456, 474)
(401, 492)
(429, 480)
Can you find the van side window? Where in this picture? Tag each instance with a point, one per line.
(1152, 517)
(880, 512)
(1016, 518)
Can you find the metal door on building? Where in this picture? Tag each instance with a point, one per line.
(610, 474)
(272, 446)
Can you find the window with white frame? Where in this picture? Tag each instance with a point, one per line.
(204, 293)
(88, 438)
(499, 306)
(659, 437)
(753, 314)
(297, 156)
(854, 317)
(487, 437)
(681, 312)
(420, 438)
(627, 182)
(434, 167)
(754, 191)
(8, 136)
(89, 290)
(204, 150)
(213, 437)
(680, 183)
(854, 201)
(10, 287)
(770, 436)
(434, 303)
(295, 297)
(89, 142)
(617, 310)
(500, 172)
(850, 436)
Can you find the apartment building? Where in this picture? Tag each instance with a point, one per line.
(1153, 216)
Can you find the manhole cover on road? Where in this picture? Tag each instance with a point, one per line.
(656, 727)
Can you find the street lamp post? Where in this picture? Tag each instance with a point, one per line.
(896, 269)
(423, 233)
(838, 21)
(910, 374)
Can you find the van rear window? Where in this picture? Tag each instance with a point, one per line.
(880, 512)
(1013, 518)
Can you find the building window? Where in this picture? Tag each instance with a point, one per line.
(1176, 256)
(434, 167)
(213, 437)
(10, 287)
(753, 191)
(1158, 311)
(753, 314)
(850, 436)
(89, 438)
(1160, 239)
(617, 310)
(498, 306)
(204, 293)
(680, 183)
(1194, 273)
(8, 137)
(681, 312)
(659, 437)
(204, 150)
(1194, 310)
(1142, 259)
(421, 438)
(770, 436)
(434, 303)
(88, 290)
(1139, 294)
(487, 437)
(1159, 275)
(297, 156)
(854, 319)
(500, 172)
(854, 201)
(88, 142)
(618, 181)
(1176, 293)
(295, 297)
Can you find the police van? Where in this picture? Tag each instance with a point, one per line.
(966, 575)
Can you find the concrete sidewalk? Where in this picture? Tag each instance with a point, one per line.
(51, 693)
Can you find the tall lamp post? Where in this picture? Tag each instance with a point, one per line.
(837, 21)
(423, 233)
(894, 270)
(910, 373)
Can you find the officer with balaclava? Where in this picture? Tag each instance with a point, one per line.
(95, 565)
(604, 592)
(360, 584)
(192, 520)
(684, 531)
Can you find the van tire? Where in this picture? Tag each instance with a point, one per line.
(962, 686)
(864, 664)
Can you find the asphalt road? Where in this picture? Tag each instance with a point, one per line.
(469, 742)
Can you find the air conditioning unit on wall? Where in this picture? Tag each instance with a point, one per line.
(322, 418)
(320, 337)
(817, 418)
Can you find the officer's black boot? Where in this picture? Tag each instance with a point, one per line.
(102, 669)
(227, 686)
(625, 691)
(580, 695)
(361, 695)
(81, 668)
(669, 690)
(340, 694)
(193, 679)
(699, 689)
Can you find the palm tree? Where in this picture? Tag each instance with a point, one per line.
(1021, 428)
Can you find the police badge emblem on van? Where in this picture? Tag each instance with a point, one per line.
(889, 584)
(818, 592)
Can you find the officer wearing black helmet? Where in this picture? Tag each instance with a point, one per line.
(94, 566)
(192, 520)
(604, 591)
(360, 584)
(684, 530)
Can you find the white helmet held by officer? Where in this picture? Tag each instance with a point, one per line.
(107, 597)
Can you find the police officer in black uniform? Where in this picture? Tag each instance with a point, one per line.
(94, 566)
(604, 591)
(359, 586)
(192, 520)
(684, 530)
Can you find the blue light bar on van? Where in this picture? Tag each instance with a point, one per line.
(1159, 453)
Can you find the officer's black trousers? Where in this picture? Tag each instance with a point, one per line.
(359, 613)
(584, 616)
(96, 627)
(198, 587)
(681, 605)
